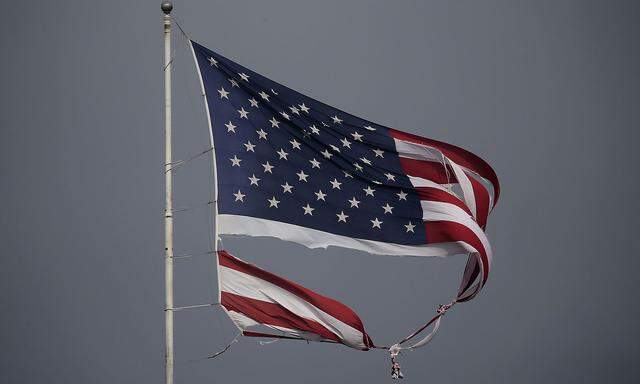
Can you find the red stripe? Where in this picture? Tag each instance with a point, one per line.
(274, 314)
(434, 194)
(482, 201)
(471, 271)
(448, 231)
(429, 170)
(269, 335)
(275, 336)
(457, 154)
(326, 304)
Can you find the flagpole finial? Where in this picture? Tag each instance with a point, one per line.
(166, 7)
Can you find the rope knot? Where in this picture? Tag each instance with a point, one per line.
(396, 373)
(394, 351)
(444, 308)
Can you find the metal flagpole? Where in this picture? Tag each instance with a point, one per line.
(168, 212)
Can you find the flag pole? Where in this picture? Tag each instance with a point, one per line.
(166, 7)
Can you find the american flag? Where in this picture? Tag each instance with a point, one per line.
(254, 297)
(294, 168)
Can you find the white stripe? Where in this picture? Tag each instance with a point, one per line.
(423, 152)
(486, 185)
(313, 238)
(420, 182)
(252, 287)
(416, 151)
(465, 185)
(241, 320)
(298, 333)
(439, 211)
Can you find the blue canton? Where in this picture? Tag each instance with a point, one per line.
(286, 157)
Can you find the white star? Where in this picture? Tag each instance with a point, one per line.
(234, 83)
(268, 167)
(304, 108)
(295, 110)
(378, 152)
(253, 102)
(347, 174)
(243, 113)
(286, 187)
(274, 92)
(213, 62)
(387, 209)
(370, 128)
(354, 202)
(326, 154)
(273, 202)
(302, 176)
(282, 154)
(274, 123)
(308, 210)
(346, 143)
(410, 227)
(320, 195)
(376, 223)
(223, 94)
(390, 177)
(230, 127)
(262, 134)
(250, 146)
(285, 115)
(264, 95)
(358, 166)
(337, 120)
(357, 136)
(402, 195)
(342, 217)
(253, 180)
(295, 144)
(239, 196)
(335, 149)
(325, 124)
(335, 184)
(235, 161)
(314, 129)
(369, 191)
(244, 76)
(315, 163)
(365, 160)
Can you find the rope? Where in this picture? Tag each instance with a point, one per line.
(180, 28)
(396, 349)
(441, 311)
(181, 163)
(192, 207)
(214, 355)
(214, 242)
(172, 56)
(190, 255)
(170, 60)
(176, 309)
(226, 348)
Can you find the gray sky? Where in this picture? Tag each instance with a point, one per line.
(546, 91)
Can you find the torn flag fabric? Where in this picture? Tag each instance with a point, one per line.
(292, 167)
(253, 297)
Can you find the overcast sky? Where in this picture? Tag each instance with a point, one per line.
(546, 91)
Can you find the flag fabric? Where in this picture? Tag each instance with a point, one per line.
(254, 297)
(291, 167)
